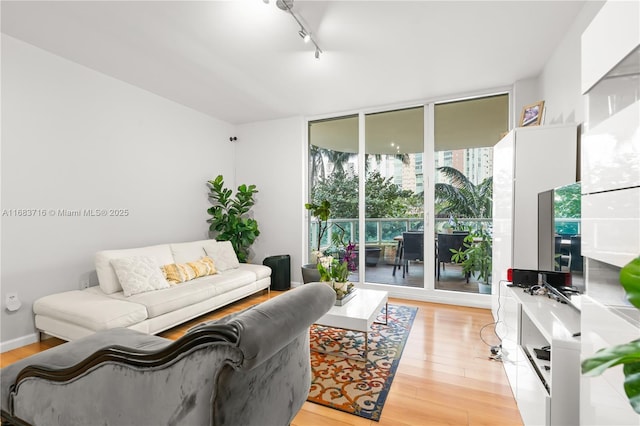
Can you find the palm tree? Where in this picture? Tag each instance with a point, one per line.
(378, 157)
(461, 197)
(317, 164)
(338, 159)
(335, 160)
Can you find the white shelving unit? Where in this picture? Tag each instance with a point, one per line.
(527, 161)
(547, 392)
(610, 200)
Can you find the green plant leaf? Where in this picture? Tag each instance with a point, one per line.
(228, 216)
(610, 357)
(630, 280)
(632, 384)
(627, 354)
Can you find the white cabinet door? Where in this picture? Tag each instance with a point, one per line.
(533, 400)
(610, 37)
(611, 226)
(602, 398)
(611, 152)
(508, 324)
(502, 211)
(545, 158)
(527, 161)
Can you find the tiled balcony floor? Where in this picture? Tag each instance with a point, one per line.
(451, 278)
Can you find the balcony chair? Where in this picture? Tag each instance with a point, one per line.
(412, 249)
(575, 251)
(446, 242)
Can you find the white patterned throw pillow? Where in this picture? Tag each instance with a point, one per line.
(222, 254)
(139, 274)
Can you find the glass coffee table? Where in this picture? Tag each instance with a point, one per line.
(357, 315)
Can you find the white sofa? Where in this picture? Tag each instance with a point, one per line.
(74, 314)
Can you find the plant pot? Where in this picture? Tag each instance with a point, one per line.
(484, 288)
(389, 254)
(310, 273)
(372, 255)
(345, 298)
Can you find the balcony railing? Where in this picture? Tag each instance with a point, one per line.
(384, 230)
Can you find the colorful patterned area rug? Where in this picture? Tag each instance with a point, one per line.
(345, 381)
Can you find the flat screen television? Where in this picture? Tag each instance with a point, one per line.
(559, 239)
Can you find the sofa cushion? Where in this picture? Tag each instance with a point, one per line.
(177, 273)
(188, 252)
(107, 275)
(91, 309)
(138, 274)
(232, 279)
(179, 296)
(261, 271)
(222, 254)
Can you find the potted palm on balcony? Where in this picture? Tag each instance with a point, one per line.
(476, 258)
(321, 212)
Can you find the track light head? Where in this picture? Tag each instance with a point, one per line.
(287, 6)
(304, 35)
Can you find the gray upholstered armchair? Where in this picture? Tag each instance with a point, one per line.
(249, 369)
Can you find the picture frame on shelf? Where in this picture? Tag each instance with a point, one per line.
(532, 114)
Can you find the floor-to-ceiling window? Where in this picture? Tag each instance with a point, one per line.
(464, 134)
(392, 193)
(333, 178)
(394, 197)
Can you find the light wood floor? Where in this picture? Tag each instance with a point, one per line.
(444, 376)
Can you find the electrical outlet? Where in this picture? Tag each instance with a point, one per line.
(84, 283)
(12, 302)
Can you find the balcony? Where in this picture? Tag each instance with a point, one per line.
(383, 234)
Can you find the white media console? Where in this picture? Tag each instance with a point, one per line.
(547, 392)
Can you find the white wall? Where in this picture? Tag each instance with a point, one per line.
(73, 138)
(559, 82)
(561, 77)
(525, 92)
(270, 155)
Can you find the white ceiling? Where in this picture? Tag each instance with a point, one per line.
(242, 61)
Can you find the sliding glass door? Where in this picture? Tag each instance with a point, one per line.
(394, 197)
(465, 132)
(333, 179)
(400, 206)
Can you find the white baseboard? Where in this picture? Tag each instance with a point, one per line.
(19, 342)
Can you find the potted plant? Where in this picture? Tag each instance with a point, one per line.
(230, 219)
(336, 274)
(451, 225)
(476, 258)
(321, 212)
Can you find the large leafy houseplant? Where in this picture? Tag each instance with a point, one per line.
(626, 354)
(230, 220)
(476, 255)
